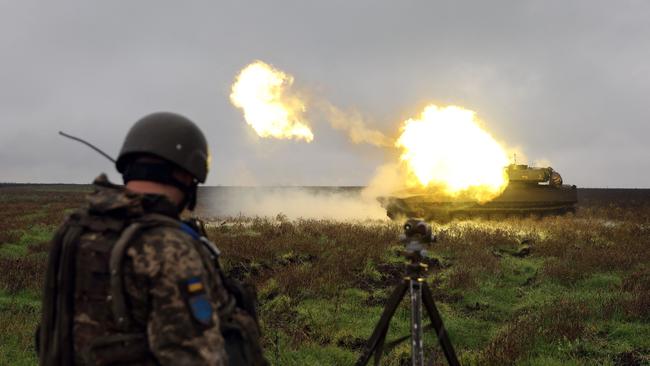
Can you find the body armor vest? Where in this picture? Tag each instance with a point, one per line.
(88, 252)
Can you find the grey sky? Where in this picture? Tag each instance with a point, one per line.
(567, 81)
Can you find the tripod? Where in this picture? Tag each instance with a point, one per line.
(416, 232)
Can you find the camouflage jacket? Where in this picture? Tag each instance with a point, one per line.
(173, 295)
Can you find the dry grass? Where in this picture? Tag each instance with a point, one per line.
(637, 284)
(561, 320)
(575, 287)
(17, 274)
(304, 257)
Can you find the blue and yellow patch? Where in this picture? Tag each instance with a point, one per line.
(194, 284)
(201, 308)
(198, 301)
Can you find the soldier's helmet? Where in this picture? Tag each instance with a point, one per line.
(171, 137)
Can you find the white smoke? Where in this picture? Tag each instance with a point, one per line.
(294, 203)
(354, 125)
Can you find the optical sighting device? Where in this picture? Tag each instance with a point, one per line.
(416, 235)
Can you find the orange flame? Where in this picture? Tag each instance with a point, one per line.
(446, 149)
(262, 92)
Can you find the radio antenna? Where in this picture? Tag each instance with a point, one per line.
(87, 144)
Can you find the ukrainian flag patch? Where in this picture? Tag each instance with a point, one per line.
(197, 300)
(194, 284)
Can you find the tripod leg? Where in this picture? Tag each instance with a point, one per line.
(436, 320)
(417, 348)
(379, 350)
(378, 336)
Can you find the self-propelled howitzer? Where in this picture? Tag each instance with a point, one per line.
(530, 190)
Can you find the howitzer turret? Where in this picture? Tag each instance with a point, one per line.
(530, 190)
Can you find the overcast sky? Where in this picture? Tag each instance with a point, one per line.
(566, 81)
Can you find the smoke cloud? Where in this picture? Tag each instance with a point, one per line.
(353, 124)
(445, 150)
(388, 179)
(308, 203)
(273, 108)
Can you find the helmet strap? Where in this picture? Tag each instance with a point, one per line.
(190, 197)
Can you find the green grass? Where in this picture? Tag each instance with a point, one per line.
(468, 332)
(313, 354)
(13, 250)
(34, 235)
(572, 290)
(626, 336)
(19, 316)
(547, 360)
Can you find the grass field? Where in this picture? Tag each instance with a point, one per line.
(571, 290)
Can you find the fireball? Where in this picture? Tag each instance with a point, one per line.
(446, 149)
(263, 93)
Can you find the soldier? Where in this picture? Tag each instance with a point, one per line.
(129, 283)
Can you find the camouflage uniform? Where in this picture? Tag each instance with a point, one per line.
(178, 306)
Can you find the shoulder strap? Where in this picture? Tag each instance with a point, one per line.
(118, 301)
(55, 335)
(119, 306)
(209, 254)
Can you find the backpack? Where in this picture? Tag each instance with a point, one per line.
(54, 338)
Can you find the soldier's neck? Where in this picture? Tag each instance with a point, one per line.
(172, 193)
